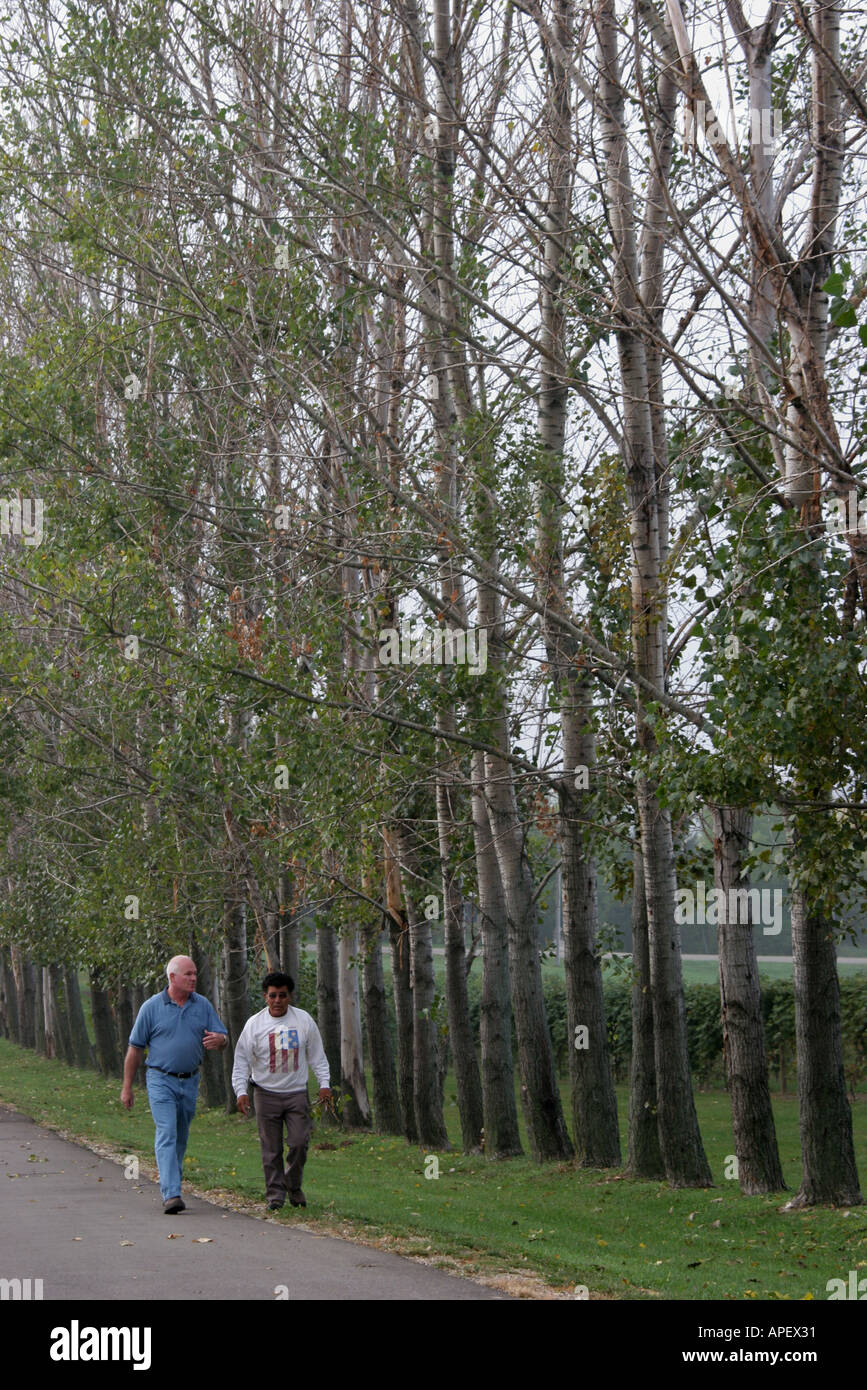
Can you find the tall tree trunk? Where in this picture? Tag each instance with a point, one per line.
(109, 1059)
(469, 1085)
(680, 1140)
(59, 1015)
(540, 1092)
(755, 1137)
(123, 1016)
(386, 1100)
(594, 1104)
(356, 1110)
(289, 930)
(213, 1084)
(502, 1139)
(48, 1012)
(80, 1044)
(12, 1028)
(644, 1158)
(328, 1002)
(427, 1099)
(450, 399)
(39, 1010)
(236, 979)
(25, 987)
(829, 1173)
(401, 983)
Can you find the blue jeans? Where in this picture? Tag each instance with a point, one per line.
(173, 1105)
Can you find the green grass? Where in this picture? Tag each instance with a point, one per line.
(706, 972)
(618, 1237)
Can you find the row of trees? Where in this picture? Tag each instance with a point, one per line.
(317, 322)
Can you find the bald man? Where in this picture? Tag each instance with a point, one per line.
(174, 1026)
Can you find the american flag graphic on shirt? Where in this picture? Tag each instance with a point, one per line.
(282, 1041)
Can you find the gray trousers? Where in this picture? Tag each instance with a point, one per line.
(273, 1111)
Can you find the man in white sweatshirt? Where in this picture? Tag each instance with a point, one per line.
(274, 1048)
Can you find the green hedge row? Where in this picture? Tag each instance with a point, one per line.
(704, 1027)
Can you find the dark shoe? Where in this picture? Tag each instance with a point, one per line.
(275, 1206)
(174, 1204)
(297, 1198)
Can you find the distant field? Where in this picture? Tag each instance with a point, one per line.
(695, 972)
(700, 972)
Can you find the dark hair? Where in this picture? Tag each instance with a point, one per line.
(279, 979)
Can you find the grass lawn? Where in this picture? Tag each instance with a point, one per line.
(706, 972)
(620, 1238)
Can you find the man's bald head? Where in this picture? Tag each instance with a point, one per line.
(184, 968)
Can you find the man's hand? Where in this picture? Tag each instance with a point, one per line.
(244, 1106)
(212, 1040)
(325, 1096)
(127, 1097)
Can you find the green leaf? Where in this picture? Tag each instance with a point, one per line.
(845, 317)
(834, 284)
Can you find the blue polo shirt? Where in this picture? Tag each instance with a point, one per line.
(173, 1035)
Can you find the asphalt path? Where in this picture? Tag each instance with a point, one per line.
(71, 1219)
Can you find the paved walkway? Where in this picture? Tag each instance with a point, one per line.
(71, 1219)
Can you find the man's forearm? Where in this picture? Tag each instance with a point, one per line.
(131, 1064)
(241, 1070)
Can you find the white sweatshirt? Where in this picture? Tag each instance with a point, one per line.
(276, 1052)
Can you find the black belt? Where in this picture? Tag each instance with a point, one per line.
(181, 1075)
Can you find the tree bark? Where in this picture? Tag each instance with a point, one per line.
(759, 1168)
(109, 1059)
(540, 1093)
(328, 1002)
(39, 1010)
(502, 1139)
(59, 1015)
(236, 979)
(124, 1018)
(386, 1099)
(469, 1085)
(401, 983)
(680, 1140)
(356, 1111)
(213, 1084)
(79, 1041)
(829, 1173)
(289, 930)
(11, 1026)
(427, 1100)
(25, 988)
(644, 1156)
(48, 1012)
(594, 1104)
